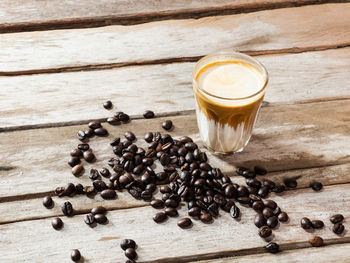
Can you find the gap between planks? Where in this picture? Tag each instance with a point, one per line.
(133, 19)
(293, 50)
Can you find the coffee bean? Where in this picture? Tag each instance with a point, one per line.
(258, 206)
(57, 223)
(77, 170)
(81, 135)
(148, 137)
(89, 156)
(231, 191)
(259, 220)
(89, 190)
(123, 117)
(76, 153)
(272, 222)
(338, 228)
(99, 185)
(73, 161)
(148, 114)
(130, 253)
(167, 125)
(277, 211)
(67, 208)
(252, 190)
(242, 191)
(260, 170)
(101, 132)
(171, 203)
(243, 200)
(242, 170)
(83, 146)
(338, 218)
(185, 222)
(98, 210)
(283, 217)
(127, 243)
(107, 104)
(316, 186)
(317, 224)
(206, 218)
(157, 203)
(59, 191)
(170, 211)
(160, 217)
(165, 189)
(305, 223)
(105, 172)
(270, 184)
(234, 211)
(265, 232)
(316, 241)
(270, 203)
(252, 182)
(94, 174)
(69, 189)
(272, 247)
(100, 218)
(164, 159)
(278, 188)
(290, 182)
(264, 191)
(130, 136)
(94, 125)
(108, 194)
(113, 121)
(267, 212)
(89, 133)
(89, 219)
(194, 212)
(48, 202)
(75, 255)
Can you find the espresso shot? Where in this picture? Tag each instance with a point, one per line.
(229, 89)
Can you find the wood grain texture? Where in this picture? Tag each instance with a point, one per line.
(286, 137)
(172, 243)
(41, 15)
(77, 96)
(333, 253)
(265, 30)
(19, 210)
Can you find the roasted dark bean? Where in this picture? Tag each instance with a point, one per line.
(48, 202)
(83, 147)
(157, 203)
(67, 208)
(100, 218)
(272, 247)
(130, 136)
(305, 223)
(170, 211)
(107, 104)
(73, 161)
(259, 220)
(59, 191)
(130, 253)
(270, 203)
(160, 217)
(272, 222)
(206, 218)
(57, 223)
(148, 137)
(101, 131)
(76, 153)
(167, 125)
(242, 170)
(265, 231)
(99, 185)
(69, 189)
(148, 114)
(89, 219)
(75, 255)
(278, 188)
(252, 182)
(127, 243)
(234, 211)
(230, 191)
(290, 182)
(77, 170)
(89, 156)
(264, 191)
(270, 184)
(94, 125)
(89, 133)
(316, 186)
(194, 212)
(108, 194)
(81, 135)
(242, 191)
(260, 170)
(113, 121)
(338, 228)
(316, 241)
(267, 212)
(317, 224)
(185, 222)
(258, 206)
(105, 172)
(283, 217)
(338, 218)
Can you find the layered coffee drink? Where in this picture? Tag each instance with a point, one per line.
(229, 89)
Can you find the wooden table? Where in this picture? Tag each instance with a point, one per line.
(61, 59)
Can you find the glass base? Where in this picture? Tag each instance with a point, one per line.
(212, 151)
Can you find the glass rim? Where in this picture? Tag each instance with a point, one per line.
(232, 53)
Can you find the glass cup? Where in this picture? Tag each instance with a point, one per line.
(227, 105)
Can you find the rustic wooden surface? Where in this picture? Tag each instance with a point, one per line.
(144, 61)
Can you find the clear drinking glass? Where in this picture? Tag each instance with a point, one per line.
(226, 122)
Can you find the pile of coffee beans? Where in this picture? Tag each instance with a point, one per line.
(337, 220)
(129, 247)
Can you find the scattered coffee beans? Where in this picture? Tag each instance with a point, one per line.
(148, 114)
(100, 218)
(48, 202)
(67, 208)
(316, 241)
(283, 217)
(160, 217)
(184, 222)
(206, 218)
(290, 182)
(108, 194)
(305, 223)
(130, 136)
(77, 170)
(167, 125)
(57, 223)
(89, 219)
(272, 247)
(157, 203)
(317, 224)
(89, 156)
(98, 210)
(130, 253)
(73, 161)
(338, 228)
(75, 255)
(265, 231)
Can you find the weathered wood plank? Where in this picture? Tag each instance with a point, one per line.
(224, 237)
(332, 253)
(32, 208)
(286, 137)
(39, 15)
(265, 30)
(76, 96)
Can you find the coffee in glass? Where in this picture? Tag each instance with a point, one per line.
(229, 89)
